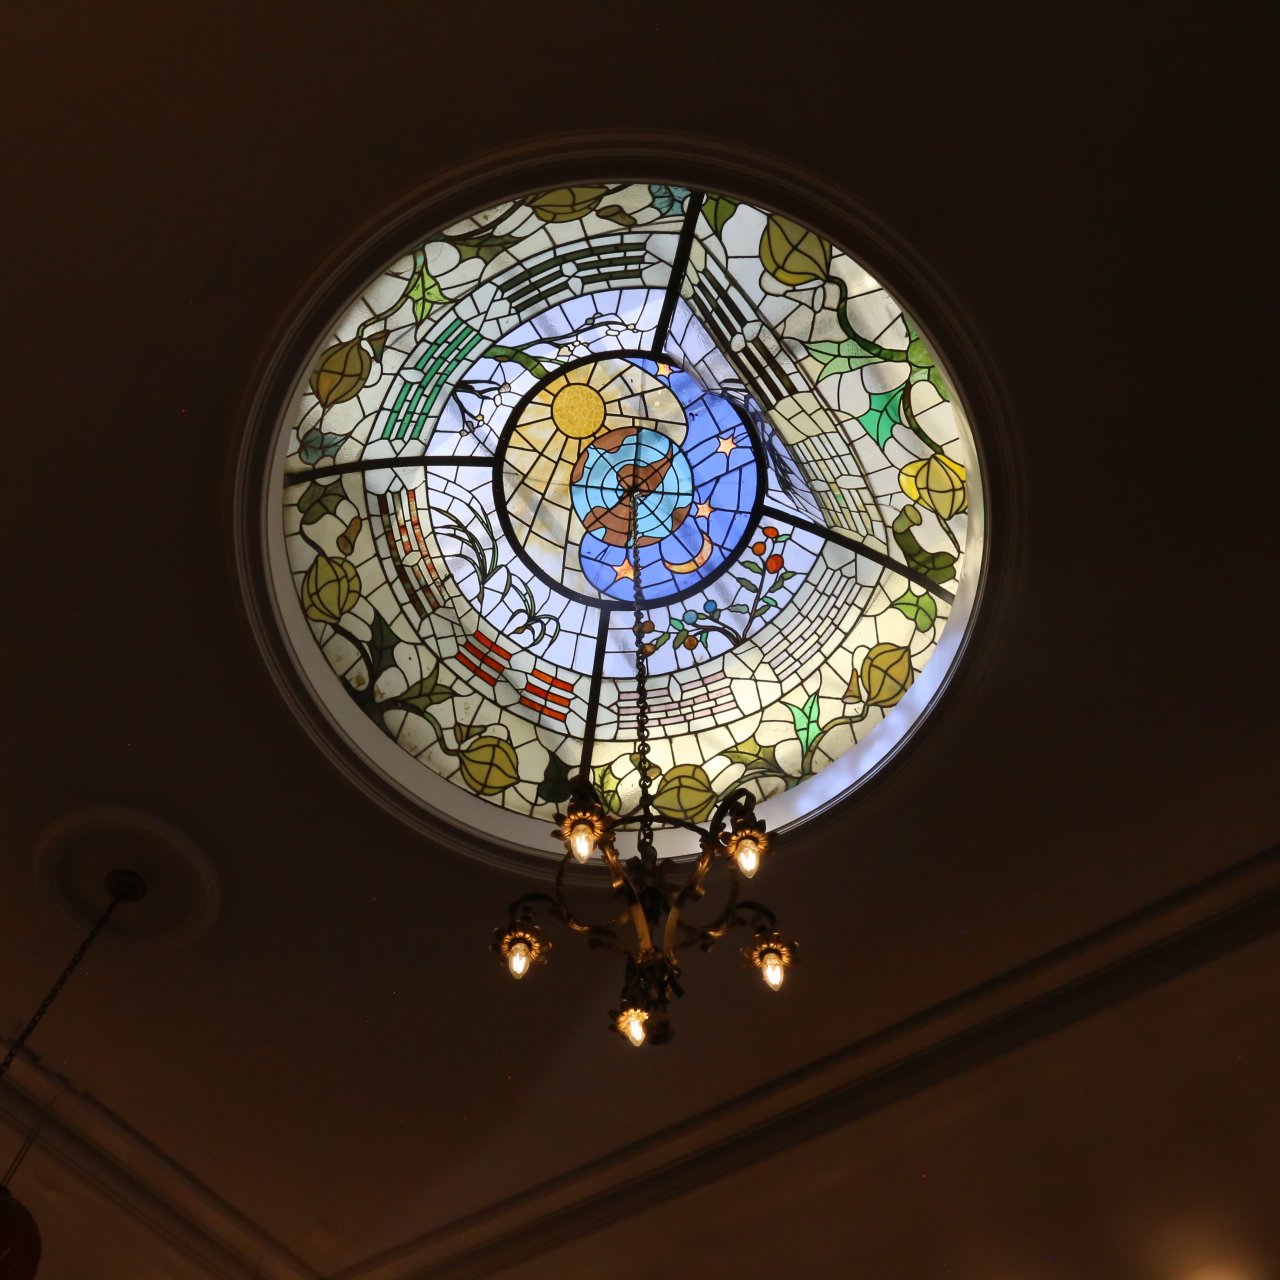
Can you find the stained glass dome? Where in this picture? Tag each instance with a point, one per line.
(453, 556)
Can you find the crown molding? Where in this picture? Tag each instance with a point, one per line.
(105, 1155)
(1153, 945)
(1158, 943)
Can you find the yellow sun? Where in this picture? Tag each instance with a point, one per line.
(578, 410)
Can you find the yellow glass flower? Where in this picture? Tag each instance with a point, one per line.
(937, 483)
(330, 589)
(341, 372)
(886, 674)
(489, 765)
(793, 254)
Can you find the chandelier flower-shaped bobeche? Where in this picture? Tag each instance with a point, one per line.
(635, 511)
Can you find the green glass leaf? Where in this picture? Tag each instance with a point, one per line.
(718, 210)
(317, 445)
(883, 415)
(806, 721)
(426, 693)
(746, 582)
(841, 357)
(922, 365)
(522, 358)
(920, 609)
(554, 787)
(320, 500)
(751, 567)
(667, 200)
(423, 291)
(753, 754)
(739, 608)
(607, 788)
(484, 245)
(937, 566)
(382, 646)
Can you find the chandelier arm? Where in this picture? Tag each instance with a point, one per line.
(692, 888)
(560, 908)
(623, 886)
(733, 914)
(739, 802)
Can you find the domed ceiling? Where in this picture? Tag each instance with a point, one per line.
(454, 559)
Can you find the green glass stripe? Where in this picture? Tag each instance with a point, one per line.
(421, 415)
(389, 431)
(445, 363)
(389, 427)
(429, 363)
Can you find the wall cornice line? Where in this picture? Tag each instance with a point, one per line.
(1155, 944)
(1152, 945)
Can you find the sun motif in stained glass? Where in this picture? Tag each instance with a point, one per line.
(607, 429)
(458, 461)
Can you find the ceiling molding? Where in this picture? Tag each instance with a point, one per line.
(1168, 938)
(99, 1150)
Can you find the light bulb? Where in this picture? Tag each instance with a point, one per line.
(746, 854)
(581, 840)
(772, 967)
(519, 957)
(632, 1025)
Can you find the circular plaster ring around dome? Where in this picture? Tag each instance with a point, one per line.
(75, 854)
(832, 212)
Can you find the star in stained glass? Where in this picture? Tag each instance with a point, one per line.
(703, 509)
(624, 570)
(727, 445)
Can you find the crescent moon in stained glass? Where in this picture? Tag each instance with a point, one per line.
(697, 562)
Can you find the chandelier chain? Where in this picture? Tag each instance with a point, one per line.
(644, 835)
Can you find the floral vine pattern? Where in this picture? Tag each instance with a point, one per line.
(462, 442)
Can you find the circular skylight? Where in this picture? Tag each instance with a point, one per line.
(453, 560)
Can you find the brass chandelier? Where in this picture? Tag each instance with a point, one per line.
(651, 927)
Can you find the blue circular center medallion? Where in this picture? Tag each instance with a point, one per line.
(627, 461)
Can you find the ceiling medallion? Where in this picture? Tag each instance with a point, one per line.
(632, 507)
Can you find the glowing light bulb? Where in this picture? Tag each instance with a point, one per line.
(746, 854)
(773, 969)
(519, 957)
(631, 1023)
(581, 840)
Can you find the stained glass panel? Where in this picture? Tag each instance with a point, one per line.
(454, 461)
